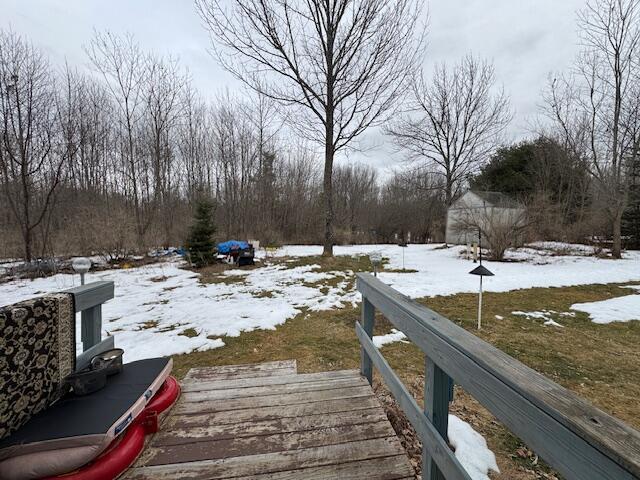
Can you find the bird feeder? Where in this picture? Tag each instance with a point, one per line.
(81, 265)
(376, 261)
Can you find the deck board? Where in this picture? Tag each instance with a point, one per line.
(266, 422)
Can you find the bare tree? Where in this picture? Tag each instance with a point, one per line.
(596, 109)
(31, 165)
(193, 140)
(338, 66)
(123, 67)
(163, 94)
(454, 121)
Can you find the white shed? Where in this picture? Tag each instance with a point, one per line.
(480, 208)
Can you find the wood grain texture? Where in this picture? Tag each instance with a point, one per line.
(91, 294)
(312, 426)
(270, 400)
(229, 372)
(577, 439)
(261, 464)
(201, 385)
(280, 442)
(368, 318)
(272, 413)
(436, 409)
(215, 431)
(386, 468)
(265, 390)
(432, 441)
(91, 327)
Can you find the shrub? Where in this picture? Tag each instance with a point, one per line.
(200, 245)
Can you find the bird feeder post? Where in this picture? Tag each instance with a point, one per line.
(480, 271)
(480, 305)
(403, 245)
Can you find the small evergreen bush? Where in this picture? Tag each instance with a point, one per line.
(200, 244)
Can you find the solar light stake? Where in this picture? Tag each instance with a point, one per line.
(376, 260)
(480, 271)
(480, 306)
(82, 266)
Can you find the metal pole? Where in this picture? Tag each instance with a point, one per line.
(402, 257)
(82, 279)
(480, 306)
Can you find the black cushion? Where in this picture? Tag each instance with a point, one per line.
(94, 413)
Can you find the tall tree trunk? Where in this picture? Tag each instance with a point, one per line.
(328, 195)
(616, 250)
(448, 200)
(28, 245)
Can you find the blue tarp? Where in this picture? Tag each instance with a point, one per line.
(226, 247)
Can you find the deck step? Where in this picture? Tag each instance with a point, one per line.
(266, 421)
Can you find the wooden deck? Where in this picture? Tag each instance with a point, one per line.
(266, 421)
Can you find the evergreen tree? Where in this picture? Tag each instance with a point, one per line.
(200, 240)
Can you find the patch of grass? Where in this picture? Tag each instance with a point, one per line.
(148, 325)
(319, 341)
(343, 263)
(264, 294)
(598, 362)
(228, 279)
(214, 273)
(189, 332)
(169, 328)
(159, 302)
(159, 278)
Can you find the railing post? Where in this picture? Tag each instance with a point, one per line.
(91, 327)
(437, 395)
(368, 317)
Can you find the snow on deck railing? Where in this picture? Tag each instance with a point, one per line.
(577, 439)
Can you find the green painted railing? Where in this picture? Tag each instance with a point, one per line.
(575, 438)
(88, 300)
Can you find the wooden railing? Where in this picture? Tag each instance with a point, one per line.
(575, 438)
(88, 300)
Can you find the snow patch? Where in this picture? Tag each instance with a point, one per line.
(471, 449)
(620, 309)
(394, 336)
(542, 315)
(441, 271)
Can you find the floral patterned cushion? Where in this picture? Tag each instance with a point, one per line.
(37, 351)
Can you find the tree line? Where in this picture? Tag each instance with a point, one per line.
(113, 159)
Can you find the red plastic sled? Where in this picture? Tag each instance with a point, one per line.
(121, 454)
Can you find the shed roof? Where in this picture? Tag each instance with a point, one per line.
(497, 199)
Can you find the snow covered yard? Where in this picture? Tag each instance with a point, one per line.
(165, 309)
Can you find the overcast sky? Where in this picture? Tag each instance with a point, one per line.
(526, 40)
